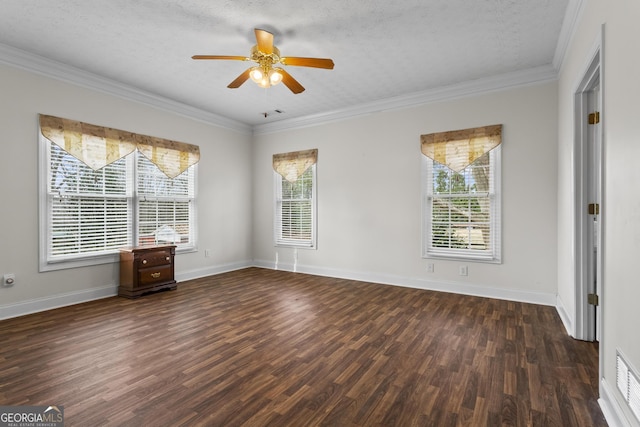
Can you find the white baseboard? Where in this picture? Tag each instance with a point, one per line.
(56, 301)
(564, 316)
(611, 408)
(210, 271)
(473, 289)
(61, 300)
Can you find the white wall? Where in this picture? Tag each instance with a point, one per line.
(223, 180)
(369, 196)
(621, 203)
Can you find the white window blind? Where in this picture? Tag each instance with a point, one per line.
(462, 209)
(295, 210)
(165, 206)
(89, 211)
(88, 215)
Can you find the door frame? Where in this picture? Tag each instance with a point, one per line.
(586, 323)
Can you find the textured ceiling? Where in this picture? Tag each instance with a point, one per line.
(381, 49)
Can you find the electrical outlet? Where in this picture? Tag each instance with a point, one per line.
(430, 268)
(9, 279)
(464, 271)
(207, 253)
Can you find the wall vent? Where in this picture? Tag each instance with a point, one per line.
(628, 384)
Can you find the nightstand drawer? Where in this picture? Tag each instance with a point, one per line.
(158, 274)
(152, 259)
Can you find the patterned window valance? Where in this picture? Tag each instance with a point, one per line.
(98, 146)
(459, 148)
(293, 165)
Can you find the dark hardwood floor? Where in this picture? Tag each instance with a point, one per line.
(259, 347)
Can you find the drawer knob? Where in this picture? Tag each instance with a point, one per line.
(167, 258)
(144, 261)
(155, 275)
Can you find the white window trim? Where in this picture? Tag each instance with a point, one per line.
(288, 243)
(495, 256)
(44, 171)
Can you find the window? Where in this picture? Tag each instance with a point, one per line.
(295, 210)
(461, 202)
(164, 205)
(87, 215)
(295, 207)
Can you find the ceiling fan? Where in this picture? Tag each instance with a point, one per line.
(266, 55)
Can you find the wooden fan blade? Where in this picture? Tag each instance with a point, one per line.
(308, 62)
(235, 58)
(240, 79)
(265, 41)
(290, 82)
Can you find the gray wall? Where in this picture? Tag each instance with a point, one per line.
(369, 196)
(224, 184)
(620, 203)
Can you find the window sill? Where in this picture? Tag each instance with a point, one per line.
(461, 257)
(64, 264)
(111, 258)
(294, 245)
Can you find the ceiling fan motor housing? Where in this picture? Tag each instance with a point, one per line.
(265, 59)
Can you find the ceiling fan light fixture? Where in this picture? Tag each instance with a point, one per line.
(256, 75)
(275, 76)
(265, 82)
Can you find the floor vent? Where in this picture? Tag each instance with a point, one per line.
(628, 384)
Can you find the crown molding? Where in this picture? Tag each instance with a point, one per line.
(46, 67)
(569, 25)
(53, 69)
(476, 87)
(499, 82)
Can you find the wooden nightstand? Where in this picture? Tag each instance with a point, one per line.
(146, 269)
